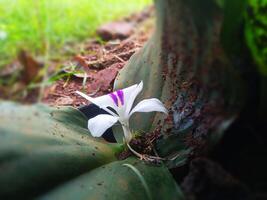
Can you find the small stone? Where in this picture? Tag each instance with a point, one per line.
(63, 101)
(115, 30)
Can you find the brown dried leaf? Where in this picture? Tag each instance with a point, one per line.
(31, 67)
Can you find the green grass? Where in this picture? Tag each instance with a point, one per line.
(44, 26)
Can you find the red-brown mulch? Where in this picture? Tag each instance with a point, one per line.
(100, 63)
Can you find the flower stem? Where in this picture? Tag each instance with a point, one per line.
(127, 132)
(144, 156)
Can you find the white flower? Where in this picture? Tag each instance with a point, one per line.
(119, 105)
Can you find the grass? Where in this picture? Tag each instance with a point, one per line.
(44, 26)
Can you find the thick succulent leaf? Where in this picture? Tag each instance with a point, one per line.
(42, 146)
(176, 150)
(184, 65)
(46, 167)
(129, 179)
(27, 128)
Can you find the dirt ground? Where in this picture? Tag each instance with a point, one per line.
(91, 69)
(99, 63)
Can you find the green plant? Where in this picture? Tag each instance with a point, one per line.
(45, 26)
(48, 153)
(184, 65)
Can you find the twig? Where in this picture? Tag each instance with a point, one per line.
(93, 93)
(120, 59)
(56, 94)
(144, 156)
(97, 63)
(132, 51)
(150, 158)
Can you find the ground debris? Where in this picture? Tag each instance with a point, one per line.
(144, 145)
(64, 101)
(31, 67)
(95, 68)
(115, 30)
(125, 28)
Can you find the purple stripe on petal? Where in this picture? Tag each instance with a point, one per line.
(120, 94)
(114, 98)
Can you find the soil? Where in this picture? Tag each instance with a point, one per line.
(143, 144)
(99, 63)
(92, 69)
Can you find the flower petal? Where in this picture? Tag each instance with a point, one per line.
(130, 96)
(102, 101)
(99, 124)
(149, 105)
(128, 91)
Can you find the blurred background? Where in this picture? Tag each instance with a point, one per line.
(46, 25)
(46, 33)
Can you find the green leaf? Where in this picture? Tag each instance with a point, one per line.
(41, 146)
(256, 39)
(183, 64)
(256, 32)
(25, 128)
(129, 179)
(177, 151)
